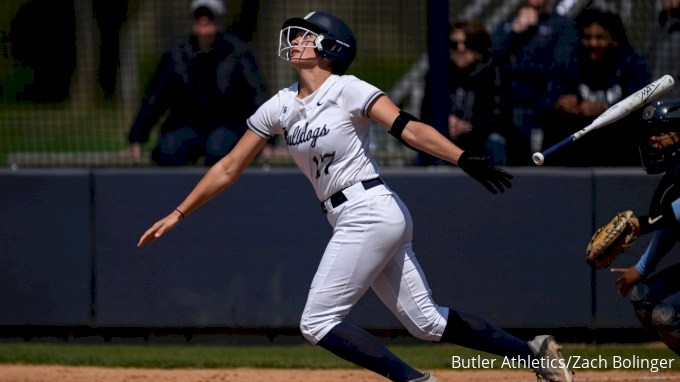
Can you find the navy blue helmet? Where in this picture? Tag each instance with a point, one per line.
(659, 118)
(334, 41)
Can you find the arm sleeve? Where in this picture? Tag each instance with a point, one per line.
(356, 96)
(154, 103)
(668, 217)
(265, 122)
(662, 242)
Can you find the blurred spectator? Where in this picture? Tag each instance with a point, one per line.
(473, 87)
(209, 82)
(664, 53)
(530, 47)
(607, 70)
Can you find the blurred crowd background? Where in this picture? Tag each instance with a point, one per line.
(97, 83)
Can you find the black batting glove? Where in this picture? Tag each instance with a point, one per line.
(480, 169)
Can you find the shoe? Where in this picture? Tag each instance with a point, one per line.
(547, 351)
(425, 378)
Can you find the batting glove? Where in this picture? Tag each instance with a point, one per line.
(480, 169)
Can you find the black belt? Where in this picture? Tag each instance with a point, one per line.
(338, 198)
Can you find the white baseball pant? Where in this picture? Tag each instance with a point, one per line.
(371, 247)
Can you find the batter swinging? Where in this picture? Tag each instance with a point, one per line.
(325, 120)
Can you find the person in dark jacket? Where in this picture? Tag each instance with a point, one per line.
(664, 49)
(607, 70)
(473, 83)
(209, 82)
(530, 47)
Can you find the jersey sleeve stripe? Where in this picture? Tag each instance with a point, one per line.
(258, 131)
(369, 100)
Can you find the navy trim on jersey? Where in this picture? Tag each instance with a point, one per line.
(257, 131)
(369, 100)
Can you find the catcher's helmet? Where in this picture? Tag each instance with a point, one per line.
(660, 117)
(334, 40)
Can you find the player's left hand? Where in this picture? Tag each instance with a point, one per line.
(629, 277)
(481, 169)
(162, 226)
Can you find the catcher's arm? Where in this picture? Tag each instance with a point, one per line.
(662, 242)
(620, 233)
(665, 219)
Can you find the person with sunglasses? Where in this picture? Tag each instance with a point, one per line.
(210, 83)
(474, 102)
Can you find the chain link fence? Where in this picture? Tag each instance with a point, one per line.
(73, 72)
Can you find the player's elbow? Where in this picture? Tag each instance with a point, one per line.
(229, 170)
(412, 135)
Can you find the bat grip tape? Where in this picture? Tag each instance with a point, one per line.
(558, 146)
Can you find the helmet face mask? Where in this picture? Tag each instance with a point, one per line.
(659, 136)
(334, 40)
(289, 34)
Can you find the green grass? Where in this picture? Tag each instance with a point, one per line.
(60, 128)
(436, 356)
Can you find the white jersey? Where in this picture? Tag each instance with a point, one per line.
(327, 132)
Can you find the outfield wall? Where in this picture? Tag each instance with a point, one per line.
(246, 259)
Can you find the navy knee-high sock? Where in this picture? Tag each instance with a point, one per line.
(361, 348)
(471, 331)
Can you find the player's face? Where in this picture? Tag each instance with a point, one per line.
(596, 40)
(303, 46)
(460, 54)
(659, 141)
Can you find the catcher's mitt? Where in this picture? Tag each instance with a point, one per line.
(609, 241)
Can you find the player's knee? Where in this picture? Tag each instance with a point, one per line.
(642, 305)
(314, 329)
(427, 329)
(665, 319)
(420, 333)
(664, 316)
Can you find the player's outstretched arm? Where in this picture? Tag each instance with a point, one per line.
(220, 176)
(424, 137)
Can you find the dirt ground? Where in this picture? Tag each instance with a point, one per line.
(48, 373)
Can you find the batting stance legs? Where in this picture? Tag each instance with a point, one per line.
(371, 247)
(657, 305)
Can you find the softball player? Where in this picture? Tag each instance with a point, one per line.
(656, 299)
(324, 119)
